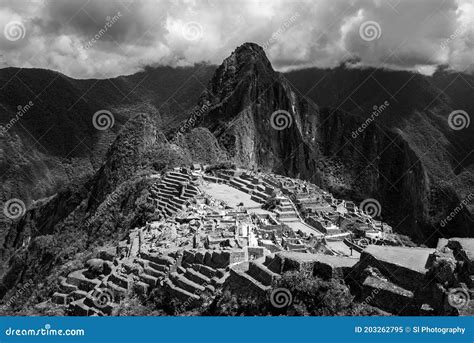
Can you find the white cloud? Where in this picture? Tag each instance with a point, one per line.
(415, 34)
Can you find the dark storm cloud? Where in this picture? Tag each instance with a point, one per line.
(85, 18)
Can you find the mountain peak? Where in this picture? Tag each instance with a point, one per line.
(250, 48)
(246, 61)
(250, 53)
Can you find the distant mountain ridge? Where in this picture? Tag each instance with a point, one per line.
(419, 113)
(55, 141)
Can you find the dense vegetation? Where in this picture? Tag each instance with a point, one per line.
(311, 296)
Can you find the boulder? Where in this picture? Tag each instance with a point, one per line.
(463, 249)
(385, 295)
(95, 266)
(404, 266)
(131, 268)
(443, 270)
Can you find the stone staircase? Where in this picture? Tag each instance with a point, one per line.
(172, 193)
(190, 276)
(253, 276)
(99, 288)
(80, 294)
(197, 278)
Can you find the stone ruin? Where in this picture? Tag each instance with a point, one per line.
(196, 245)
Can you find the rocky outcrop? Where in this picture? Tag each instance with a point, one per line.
(406, 267)
(387, 296)
(412, 281)
(244, 93)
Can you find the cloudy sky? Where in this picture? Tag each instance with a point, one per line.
(101, 38)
